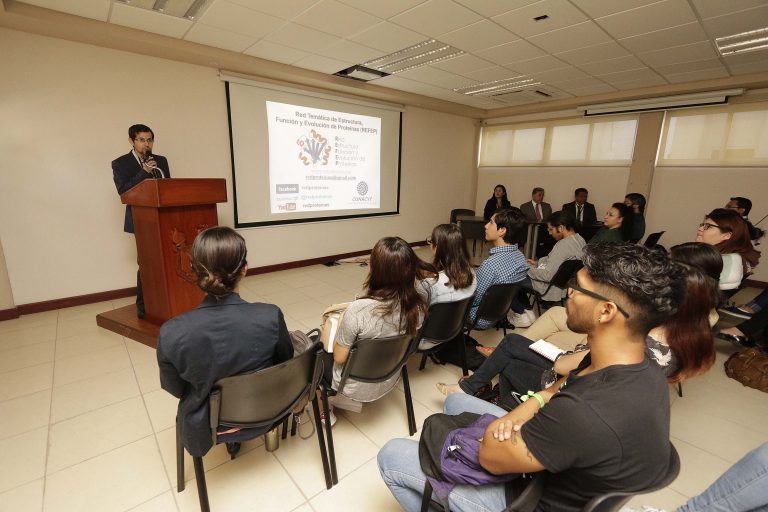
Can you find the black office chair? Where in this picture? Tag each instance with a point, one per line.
(474, 231)
(374, 360)
(560, 280)
(653, 239)
(495, 304)
(461, 211)
(444, 323)
(260, 400)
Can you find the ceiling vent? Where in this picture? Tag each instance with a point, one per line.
(187, 9)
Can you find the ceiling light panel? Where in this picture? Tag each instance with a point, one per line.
(750, 41)
(188, 9)
(499, 86)
(416, 56)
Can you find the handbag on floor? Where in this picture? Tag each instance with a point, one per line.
(451, 353)
(750, 367)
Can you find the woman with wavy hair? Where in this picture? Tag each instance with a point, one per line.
(727, 232)
(222, 337)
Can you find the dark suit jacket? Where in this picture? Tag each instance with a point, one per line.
(127, 173)
(218, 339)
(590, 217)
(530, 214)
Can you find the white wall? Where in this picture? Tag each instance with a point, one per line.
(66, 108)
(681, 196)
(606, 185)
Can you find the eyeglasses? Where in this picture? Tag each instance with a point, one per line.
(429, 240)
(141, 139)
(573, 286)
(706, 225)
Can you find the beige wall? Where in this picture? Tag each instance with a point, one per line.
(681, 196)
(606, 185)
(6, 294)
(66, 108)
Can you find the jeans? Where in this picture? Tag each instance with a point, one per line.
(400, 468)
(518, 367)
(759, 302)
(744, 487)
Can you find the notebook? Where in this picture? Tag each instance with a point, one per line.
(546, 349)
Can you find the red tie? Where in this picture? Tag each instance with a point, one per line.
(538, 212)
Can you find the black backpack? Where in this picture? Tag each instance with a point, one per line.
(450, 353)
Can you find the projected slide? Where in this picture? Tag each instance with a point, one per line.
(322, 159)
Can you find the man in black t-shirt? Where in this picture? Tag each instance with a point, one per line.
(604, 427)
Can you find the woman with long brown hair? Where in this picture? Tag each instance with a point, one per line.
(455, 279)
(728, 233)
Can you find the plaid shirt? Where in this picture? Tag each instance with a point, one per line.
(506, 264)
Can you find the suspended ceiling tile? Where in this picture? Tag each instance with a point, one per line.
(590, 90)
(649, 18)
(521, 21)
(490, 8)
(402, 84)
(463, 64)
(695, 76)
(322, 64)
(640, 83)
(746, 68)
(712, 8)
(149, 21)
(613, 65)
(478, 36)
(539, 64)
(284, 9)
(583, 34)
(438, 77)
(213, 36)
(336, 18)
(492, 74)
(736, 22)
(388, 37)
(276, 52)
(697, 51)
(593, 54)
(634, 75)
(660, 39)
(383, 9)
(236, 18)
(686, 67)
(508, 53)
(436, 17)
(559, 75)
(94, 9)
(600, 8)
(578, 83)
(743, 58)
(351, 51)
(303, 38)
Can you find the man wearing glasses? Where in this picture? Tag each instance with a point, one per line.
(131, 169)
(605, 426)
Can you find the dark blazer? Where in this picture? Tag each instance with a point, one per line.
(490, 207)
(218, 339)
(589, 215)
(530, 214)
(127, 173)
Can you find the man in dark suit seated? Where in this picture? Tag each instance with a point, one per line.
(131, 169)
(583, 211)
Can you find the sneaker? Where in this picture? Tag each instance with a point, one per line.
(531, 315)
(735, 311)
(323, 416)
(521, 319)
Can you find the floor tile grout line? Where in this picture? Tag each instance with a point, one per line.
(134, 507)
(92, 457)
(50, 411)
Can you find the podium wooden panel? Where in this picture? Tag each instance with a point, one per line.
(167, 216)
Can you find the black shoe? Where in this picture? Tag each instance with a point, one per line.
(232, 449)
(740, 341)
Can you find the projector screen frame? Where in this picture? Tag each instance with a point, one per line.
(305, 220)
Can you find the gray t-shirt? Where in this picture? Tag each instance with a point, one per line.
(365, 318)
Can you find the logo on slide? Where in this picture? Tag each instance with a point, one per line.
(287, 188)
(362, 188)
(314, 147)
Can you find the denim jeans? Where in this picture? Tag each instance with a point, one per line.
(744, 487)
(400, 468)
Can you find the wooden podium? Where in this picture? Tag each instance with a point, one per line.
(167, 216)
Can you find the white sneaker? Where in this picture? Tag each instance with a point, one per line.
(520, 320)
(531, 315)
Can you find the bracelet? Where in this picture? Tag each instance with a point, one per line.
(537, 396)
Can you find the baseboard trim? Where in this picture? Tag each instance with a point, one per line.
(9, 314)
(80, 300)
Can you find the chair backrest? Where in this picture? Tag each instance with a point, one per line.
(377, 359)
(260, 398)
(445, 320)
(460, 211)
(613, 501)
(566, 271)
(497, 301)
(653, 239)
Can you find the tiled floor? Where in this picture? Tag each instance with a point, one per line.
(84, 425)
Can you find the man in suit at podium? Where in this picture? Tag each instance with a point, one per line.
(131, 169)
(583, 211)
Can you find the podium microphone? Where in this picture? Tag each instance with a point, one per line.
(155, 170)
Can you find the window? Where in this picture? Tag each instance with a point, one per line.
(557, 143)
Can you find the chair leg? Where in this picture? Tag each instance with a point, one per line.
(423, 363)
(285, 428)
(294, 425)
(463, 352)
(321, 442)
(179, 460)
(329, 437)
(680, 389)
(202, 489)
(408, 402)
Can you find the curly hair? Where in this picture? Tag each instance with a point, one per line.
(218, 258)
(651, 283)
